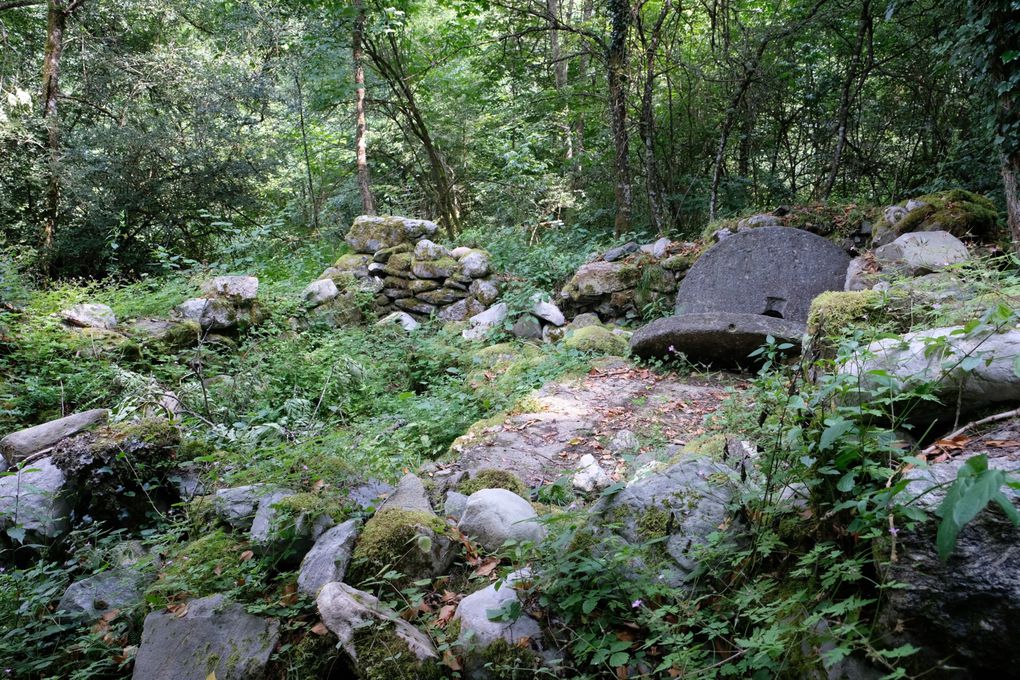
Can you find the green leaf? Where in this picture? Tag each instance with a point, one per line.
(836, 428)
(846, 482)
(619, 659)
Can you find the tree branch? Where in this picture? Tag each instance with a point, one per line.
(15, 4)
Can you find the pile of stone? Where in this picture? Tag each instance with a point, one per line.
(750, 286)
(227, 302)
(618, 284)
(395, 260)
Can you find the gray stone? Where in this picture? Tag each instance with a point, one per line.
(345, 610)
(590, 475)
(480, 324)
(922, 252)
(235, 289)
(527, 328)
(237, 505)
(213, 636)
(427, 250)
(371, 233)
(96, 595)
(584, 320)
(210, 313)
(478, 632)
(936, 357)
(435, 269)
(552, 334)
(893, 214)
(328, 559)
(368, 494)
(596, 279)
(624, 441)
(715, 338)
(461, 310)
(913, 204)
(319, 292)
(757, 221)
(620, 252)
(402, 319)
(442, 296)
(484, 290)
(860, 274)
(417, 306)
(691, 496)
(548, 312)
(455, 504)
(493, 516)
(475, 264)
(35, 500)
(658, 249)
(964, 614)
(775, 271)
(90, 315)
(410, 494)
(459, 252)
(268, 531)
(19, 445)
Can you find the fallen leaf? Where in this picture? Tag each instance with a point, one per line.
(320, 629)
(247, 555)
(178, 610)
(450, 661)
(487, 566)
(319, 485)
(446, 615)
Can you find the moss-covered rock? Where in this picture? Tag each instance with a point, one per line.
(596, 340)
(414, 543)
(961, 213)
(832, 312)
(213, 563)
(491, 478)
(383, 655)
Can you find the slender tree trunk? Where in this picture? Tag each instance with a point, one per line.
(846, 98)
(616, 63)
(360, 144)
(652, 181)
(559, 67)
(313, 204)
(1011, 183)
(56, 23)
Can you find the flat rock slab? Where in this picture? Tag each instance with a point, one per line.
(213, 636)
(716, 338)
(19, 445)
(570, 418)
(769, 270)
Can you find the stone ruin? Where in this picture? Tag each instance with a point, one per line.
(749, 286)
(395, 261)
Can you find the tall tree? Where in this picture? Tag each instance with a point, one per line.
(616, 74)
(360, 142)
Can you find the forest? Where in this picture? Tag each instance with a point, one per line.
(509, 339)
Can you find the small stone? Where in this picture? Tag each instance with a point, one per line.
(484, 290)
(461, 310)
(455, 504)
(427, 250)
(492, 516)
(402, 319)
(319, 292)
(480, 324)
(624, 441)
(328, 559)
(410, 494)
(549, 312)
(236, 506)
(590, 476)
(922, 252)
(90, 315)
(620, 252)
(19, 445)
(417, 306)
(35, 500)
(96, 595)
(475, 264)
(527, 328)
(235, 289)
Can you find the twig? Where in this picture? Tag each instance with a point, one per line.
(969, 426)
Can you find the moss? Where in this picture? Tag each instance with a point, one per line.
(834, 311)
(389, 542)
(493, 479)
(596, 340)
(506, 661)
(382, 655)
(653, 523)
(205, 566)
(679, 263)
(181, 335)
(400, 262)
(957, 211)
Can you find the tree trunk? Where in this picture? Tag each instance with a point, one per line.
(360, 144)
(313, 204)
(56, 22)
(1011, 183)
(616, 63)
(652, 182)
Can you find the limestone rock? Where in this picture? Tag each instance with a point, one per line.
(475, 264)
(371, 233)
(461, 310)
(410, 494)
(96, 595)
(480, 324)
(527, 327)
(455, 504)
(590, 476)
(402, 319)
(19, 445)
(599, 278)
(917, 253)
(620, 252)
(236, 506)
(715, 338)
(416, 306)
(584, 320)
(624, 441)
(211, 313)
(427, 250)
(35, 500)
(90, 315)
(484, 290)
(492, 516)
(435, 269)
(597, 340)
(658, 249)
(234, 289)
(328, 559)
(548, 312)
(212, 637)
(319, 292)
(762, 220)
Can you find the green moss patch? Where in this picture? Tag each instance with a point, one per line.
(493, 479)
(390, 540)
(596, 340)
(833, 312)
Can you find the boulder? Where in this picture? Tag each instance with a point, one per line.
(478, 632)
(462, 310)
(620, 252)
(410, 494)
(35, 501)
(371, 233)
(416, 306)
(484, 290)
(584, 320)
(211, 313)
(19, 445)
(328, 559)
(918, 253)
(413, 543)
(213, 638)
(402, 319)
(455, 504)
(91, 597)
(962, 614)
(527, 327)
(596, 340)
(381, 644)
(319, 292)
(351, 264)
(596, 279)
(493, 516)
(238, 290)
(548, 312)
(427, 250)
(683, 504)
(716, 338)
(590, 476)
(475, 264)
(771, 271)
(90, 315)
(237, 505)
(969, 371)
(480, 324)
(435, 269)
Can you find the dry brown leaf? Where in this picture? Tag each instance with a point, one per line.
(446, 615)
(247, 555)
(320, 629)
(319, 485)
(450, 661)
(487, 566)
(178, 610)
